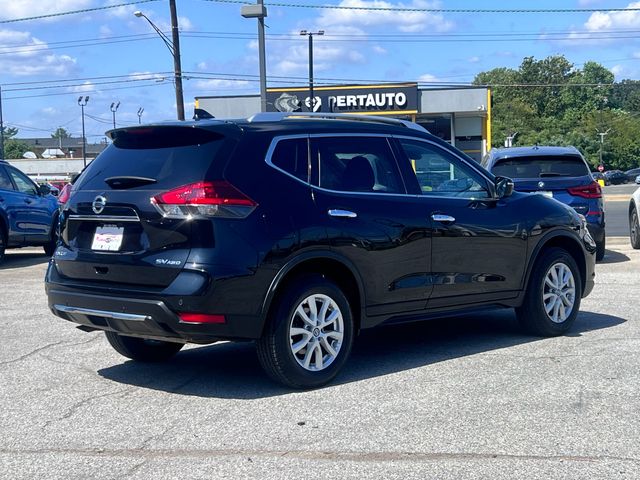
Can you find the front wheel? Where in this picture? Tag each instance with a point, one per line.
(142, 349)
(634, 229)
(309, 335)
(553, 295)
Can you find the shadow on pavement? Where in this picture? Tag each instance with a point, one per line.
(18, 259)
(231, 370)
(611, 256)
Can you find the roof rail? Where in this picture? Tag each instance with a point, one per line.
(280, 116)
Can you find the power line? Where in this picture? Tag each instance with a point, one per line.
(431, 10)
(51, 94)
(72, 12)
(79, 79)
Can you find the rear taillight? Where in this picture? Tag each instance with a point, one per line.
(65, 193)
(593, 190)
(201, 318)
(204, 199)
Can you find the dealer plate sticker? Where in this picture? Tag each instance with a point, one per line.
(107, 238)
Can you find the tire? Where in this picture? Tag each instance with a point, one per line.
(141, 349)
(600, 249)
(313, 354)
(3, 243)
(533, 315)
(50, 248)
(634, 229)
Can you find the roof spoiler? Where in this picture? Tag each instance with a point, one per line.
(201, 114)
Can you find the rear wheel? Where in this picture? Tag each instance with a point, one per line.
(309, 336)
(50, 247)
(3, 243)
(142, 349)
(553, 296)
(600, 249)
(634, 229)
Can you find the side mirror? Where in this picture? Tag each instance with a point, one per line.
(504, 187)
(44, 189)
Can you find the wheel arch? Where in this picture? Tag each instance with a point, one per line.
(568, 243)
(326, 263)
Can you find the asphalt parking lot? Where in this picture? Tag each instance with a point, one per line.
(463, 398)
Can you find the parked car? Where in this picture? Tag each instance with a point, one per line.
(598, 176)
(28, 213)
(558, 172)
(615, 177)
(632, 174)
(634, 224)
(638, 180)
(298, 231)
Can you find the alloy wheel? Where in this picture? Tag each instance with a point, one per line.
(559, 292)
(316, 332)
(635, 226)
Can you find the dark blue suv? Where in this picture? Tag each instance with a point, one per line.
(28, 213)
(557, 172)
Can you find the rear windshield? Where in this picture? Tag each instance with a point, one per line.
(171, 156)
(541, 167)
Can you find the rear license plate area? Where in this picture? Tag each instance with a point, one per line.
(107, 238)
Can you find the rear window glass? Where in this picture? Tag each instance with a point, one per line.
(171, 156)
(541, 167)
(292, 156)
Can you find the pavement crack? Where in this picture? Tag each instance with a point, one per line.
(31, 353)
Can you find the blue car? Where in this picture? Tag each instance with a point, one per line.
(557, 172)
(28, 212)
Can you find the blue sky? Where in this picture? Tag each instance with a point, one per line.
(113, 56)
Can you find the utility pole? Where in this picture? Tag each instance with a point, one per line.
(1, 128)
(83, 102)
(174, 47)
(312, 98)
(114, 108)
(259, 11)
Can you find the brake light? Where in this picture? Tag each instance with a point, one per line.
(592, 190)
(201, 318)
(64, 195)
(204, 199)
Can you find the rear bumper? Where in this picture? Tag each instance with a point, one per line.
(144, 314)
(597, 231)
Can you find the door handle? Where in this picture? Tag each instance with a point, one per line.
(342, 213)
(437, 217)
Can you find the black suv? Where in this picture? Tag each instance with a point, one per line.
(297, 231)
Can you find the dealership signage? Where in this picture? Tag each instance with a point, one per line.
(391, 98)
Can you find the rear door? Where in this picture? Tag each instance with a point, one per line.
(111, 230)
(371, 220)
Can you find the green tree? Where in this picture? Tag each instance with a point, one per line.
(9, 132)
(60, 133)
(15, 148)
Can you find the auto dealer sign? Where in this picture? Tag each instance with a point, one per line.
(391, 98)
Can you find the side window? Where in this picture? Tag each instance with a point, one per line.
(5, 181)
(356, 164)
(292, 156)
(441, 174)
(24, 184)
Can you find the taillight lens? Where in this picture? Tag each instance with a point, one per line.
(65, 193)
(204, 199)
(201, 318)
(592, 190)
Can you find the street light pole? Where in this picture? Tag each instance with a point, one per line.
(312, 98)
(602, 135)
(114, 108)
(1, 128)
(140, 110)
(174, 47)
(259, 11)
(83, 102)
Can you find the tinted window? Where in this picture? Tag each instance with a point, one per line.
(171, 161)
(5, 182)
(292, 156)
(356, 164)
(541, 167)
(440, 173)
(23, 183)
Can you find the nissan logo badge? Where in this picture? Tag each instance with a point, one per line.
(98, 204)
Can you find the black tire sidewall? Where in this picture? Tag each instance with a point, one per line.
(296, 375)
(536, 319)
(633, 218)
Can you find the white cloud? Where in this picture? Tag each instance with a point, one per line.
(428, 78)
(220, 84)
(28, 8)
(618, 70)
(380, 50)
(25, 55)
(474, 59)
(614, 20)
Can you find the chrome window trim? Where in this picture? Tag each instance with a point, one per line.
(309, 136)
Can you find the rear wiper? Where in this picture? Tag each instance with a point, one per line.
(551, 174)
(128, 182)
